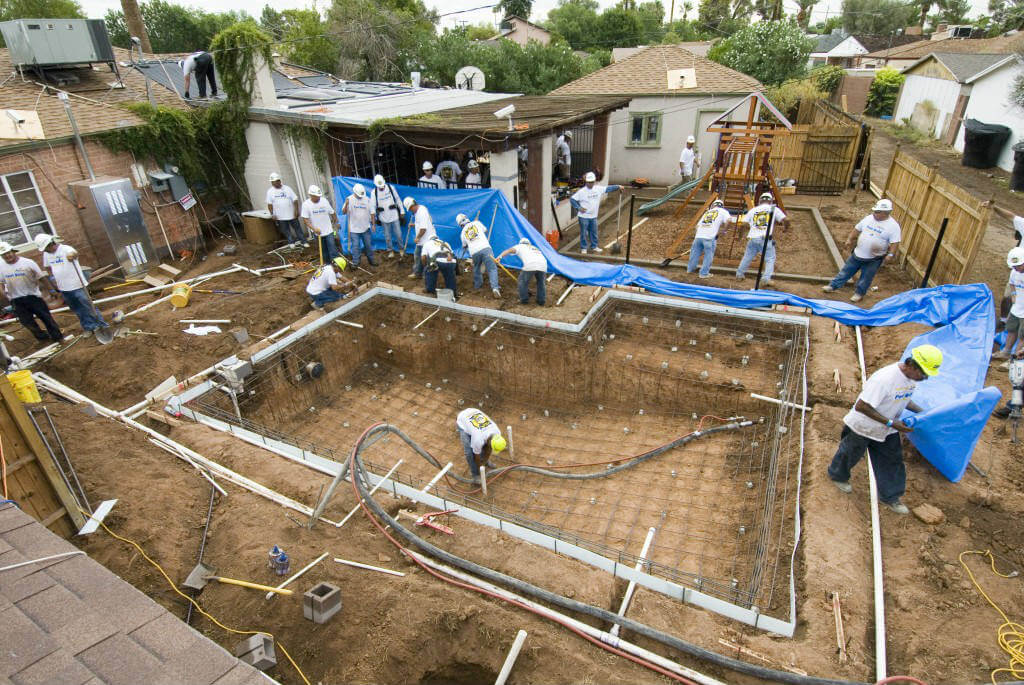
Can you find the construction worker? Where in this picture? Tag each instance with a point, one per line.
(874, 425)
(320, 219)
(62, 263)
(689, 161)
(325, 279)
(759, 219)
(283, 205)
(877, 238)
(563, 156)
(388, 212)
(21, 277)
(480, 437)
(706, 239)
(438, 257)
(423, 225)
(1015, 318)
(429, 180)
(473, 178)
(587, 201)
(201, 63)
(474, 239)
(360, 217)
(450, 172)
(534, 267)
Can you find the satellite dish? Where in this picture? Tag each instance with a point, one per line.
(469, 78)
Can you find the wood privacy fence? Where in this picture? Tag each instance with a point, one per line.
(921, 199)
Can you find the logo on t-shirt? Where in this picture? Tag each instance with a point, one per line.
(709, 217)
(479, 421)
(472, 232)
(761, 219)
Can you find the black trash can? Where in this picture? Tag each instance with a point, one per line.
(1017, 177)
(983, 143)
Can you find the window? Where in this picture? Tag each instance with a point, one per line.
(22, 212)
(645, 129)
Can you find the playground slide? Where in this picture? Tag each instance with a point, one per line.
(674, 192)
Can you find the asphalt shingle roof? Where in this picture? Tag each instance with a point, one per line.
(645, 73)
(829, 41)
(964, 66)
(1001, 45)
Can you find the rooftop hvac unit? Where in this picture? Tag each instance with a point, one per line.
(113, 223)
(56, 42)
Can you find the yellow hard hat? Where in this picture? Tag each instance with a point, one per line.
(928, 357)
(340, 263)
(498, 443)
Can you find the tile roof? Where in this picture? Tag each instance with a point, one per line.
(1002, 45)
(965, 66)
(645, 74)
(70, 620)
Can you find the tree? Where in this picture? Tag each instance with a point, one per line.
(1007, 15)
(771, 52)
(575, 21)
(481, 31)
(803, 17)
(514, 8)
(174, 28)
(652, 21)
(305, 41)
(40, 9)
(620, 28)
(883, 92)
(712, 13)
(876, 17)
(378, 40)
(827, 26)
(272, 21)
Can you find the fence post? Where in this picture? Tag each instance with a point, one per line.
(935, 252)
(629, 234)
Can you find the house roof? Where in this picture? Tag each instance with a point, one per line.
(1001, 45)
(645, 73)
(829, 41)
(1007, 59)
(70, 620)
(963, 66)
(697, 47)
(883, 42)
(504, 32)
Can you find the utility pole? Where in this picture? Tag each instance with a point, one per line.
(136, 27)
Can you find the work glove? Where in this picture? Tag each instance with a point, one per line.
(187, 95)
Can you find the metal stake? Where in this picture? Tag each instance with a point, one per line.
(629, 236)
(935, 252)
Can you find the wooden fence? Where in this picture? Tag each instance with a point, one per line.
(921, 199)
(821, 151)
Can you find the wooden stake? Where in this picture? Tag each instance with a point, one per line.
(838, 331)
(840, 634)
(838, 380)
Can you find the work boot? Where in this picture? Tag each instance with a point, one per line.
(827, 289)
(898, 507)
(856, 297)
(703, 275)
(413, 276)
(598, 250)
(496, 293)
(583, 251)
(767, 281)
(1003, 412)
(739, 277)
(843, 486)
(87, 334)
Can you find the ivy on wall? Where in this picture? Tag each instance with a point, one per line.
(311, 138)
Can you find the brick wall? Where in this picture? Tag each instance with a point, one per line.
(57, 166)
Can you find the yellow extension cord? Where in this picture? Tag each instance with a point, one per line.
(1011, 634)
(196, 604)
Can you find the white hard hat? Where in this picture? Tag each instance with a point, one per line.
(408, 202)
(717, 203)
(472, 164)
(378, 181)
(427, 166)
(274, 176)
(1014, 258)
(691, 139)
(590, 177)
(5, 247)
(315, 190)
(358, 190)
(567, 134)
(524, 241)
(766, 196)
(462, 219)
(882, 205)
(43, 241)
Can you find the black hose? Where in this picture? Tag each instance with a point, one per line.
(558, 600)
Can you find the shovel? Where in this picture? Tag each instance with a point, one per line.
(104, 335)
(203, 574)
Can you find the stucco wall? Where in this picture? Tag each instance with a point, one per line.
(940, 92)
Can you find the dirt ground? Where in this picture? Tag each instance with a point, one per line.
(418, 629)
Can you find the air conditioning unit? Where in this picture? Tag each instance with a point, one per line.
(960, 31)
(57, 42)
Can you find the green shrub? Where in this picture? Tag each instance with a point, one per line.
(827, 77)
(883, 92)
(788, 96)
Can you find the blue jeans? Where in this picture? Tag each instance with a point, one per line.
(88, 316)
(291, 230)
(702, 246)
(325, 297)
(524, 286)
(588, 231)
(467, 450)
(443, 268)
(484, 260)
(392, 235)
(330, 247)
(886, 460)
(359, 243)
(867, 267)
(417, 265)
(753, 251)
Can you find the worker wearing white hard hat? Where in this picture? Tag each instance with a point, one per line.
(359, 213)
(705, 240)
(1015, 319)
(62, 262)
(534, 268)
(429, 179)
(587, 201)
(321, 220)
(21, 278)
(449, 171)
(423, 228)
(474, 239)
(283, 205)
(766, 215)
(563, 157)
(389, 213)
(473, 178)
(874, 241)
(689, 160)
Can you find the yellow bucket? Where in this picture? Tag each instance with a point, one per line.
(180, 294)
(24, 386)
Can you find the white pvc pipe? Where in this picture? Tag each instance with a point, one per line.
(510, 660)
(439, 476)
(489, 327)
(356, 564)
(204, 320)
(305, 568)
(782, 402)
(245, 268)
(353, 324)
(41, 559)
(372, 490)
(483, 480)
(631, 588)
(429, 317)
(565, 294)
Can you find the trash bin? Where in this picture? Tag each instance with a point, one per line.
(983, 143)
(1017, 177)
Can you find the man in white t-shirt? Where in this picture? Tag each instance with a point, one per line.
(874, 425)
(450, 172)
(283, 205)
(535, 267)
(1015, 318)
(473, 178)
(62, 263)
(389, 213)
(423, 227)
(706, 239)
(359, 212)
(563, 156)
(759, 219)
(480, 437)
(877, 238)
(21, 277)
(438, 257)
(201, 64)
(689, 160)
(431, 180)
(474, 239)
(322, 284)
(587, 201)
(320, 219)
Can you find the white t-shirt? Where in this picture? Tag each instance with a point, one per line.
(358, 213)
(67, 273)
(319, 214)
(888, 391)
(757, 218)
(1017, 283)
(435, 180)
(387, 201)
(435, 246)
(687, 158)
(473, 178)
(21, 278)
(449, 172)
(875, 237)
(323, 278)
(474, 237)
(479, 426)
(188, 65)
(283, 202)
(590, 200)
(423, 222)
(711, 222)
(532, 258)
(564, 152)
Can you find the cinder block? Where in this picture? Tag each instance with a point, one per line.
(257, 651)
(321, 602)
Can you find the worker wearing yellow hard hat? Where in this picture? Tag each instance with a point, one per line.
(480, 438)
(874, 425)
(327, 285)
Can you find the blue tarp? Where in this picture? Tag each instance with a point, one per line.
(963, 315)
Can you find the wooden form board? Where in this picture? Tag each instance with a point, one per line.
(921, 198)
(32, 478)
